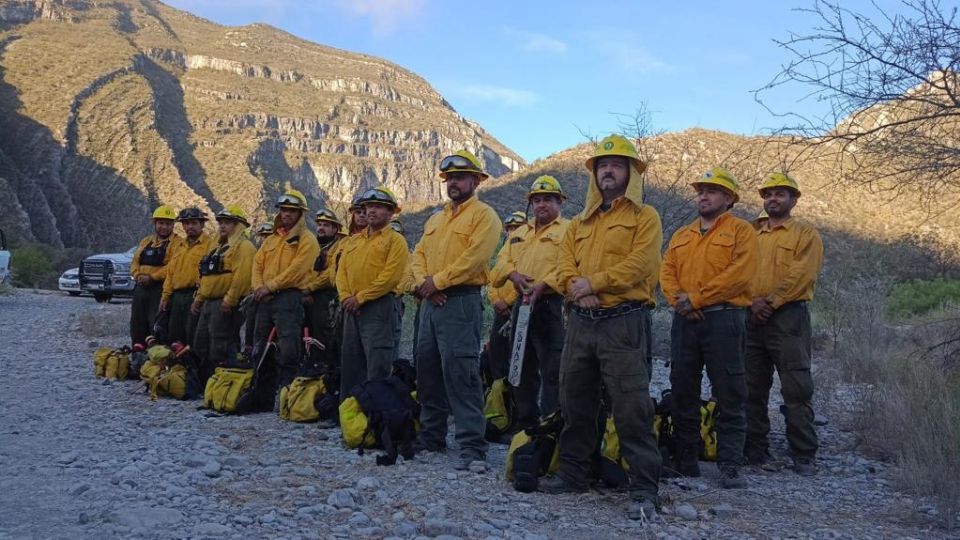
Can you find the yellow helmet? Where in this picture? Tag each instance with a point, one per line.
(719, 176)
(292, 199)
(462, 161)
(546, 185)
(517, 218)
(616, 145)
(396, 225)
(233, 212)
(325, 214)
(380, 195)
(344, 231)
(265, 229)
(763, 215)
(780, 180)
(164, 212)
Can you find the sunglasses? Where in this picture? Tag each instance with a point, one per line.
(457, 162)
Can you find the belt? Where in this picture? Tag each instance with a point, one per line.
(719, 307)
(615, 311)
(461, 290)
(186, 289)
(795, 303)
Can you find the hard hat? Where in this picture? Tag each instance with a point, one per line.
(355, 203)
(517, 218)
(396, 225)
(719, 176)
(233, 212)
(616, 145)
(763, 215)
(546, 185)
(164, 212)
(192, 213)
(344, 231)
(265, 228)
(325, 214)
(780, 180)
(380, 195)
(461, 161)
(292, 199)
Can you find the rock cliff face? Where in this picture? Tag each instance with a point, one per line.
(110, 108)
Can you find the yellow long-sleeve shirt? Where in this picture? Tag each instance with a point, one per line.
(173, 244)
(184, 269)
(533, 253)
(285, 259)
(406, 282)
(618, 251)
(456, 247)
(372, 266)
(232, 285)
(506, 291)
(325, 278)
(716, 267)
(790, 257)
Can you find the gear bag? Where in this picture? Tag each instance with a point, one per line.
(169, 374)
(233, 388)
(498, 410)
(663, 428)
(534, 452)
(380, 413)
(307, 399)
(111, 363)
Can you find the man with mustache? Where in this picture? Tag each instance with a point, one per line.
(183, 277)
(778, 334)
(607, 269)
(706, 276)
(149, 269)
(532, 260)
(449, 268)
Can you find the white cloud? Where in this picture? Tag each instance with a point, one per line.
(627, 54)
(508, 97)
(385, 15)
(534, 42)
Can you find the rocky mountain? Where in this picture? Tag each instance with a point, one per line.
(108, 108)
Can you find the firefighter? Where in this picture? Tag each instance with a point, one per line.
(501, 299)
(320, 294)
(149, 269)
(183, 277)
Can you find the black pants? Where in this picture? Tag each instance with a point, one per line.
(539, 390)
(217, 340)
(143, 312)
(182, 323)
(284, 311)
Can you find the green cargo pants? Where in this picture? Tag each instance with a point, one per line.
(182, 324)
(716, 343)
(284, 311)
(608, 353)
(217, 339)
(782, 344)
(322, 322)
(367, 351)
(143, 312)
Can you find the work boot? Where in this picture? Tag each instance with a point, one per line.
(804, 466)
(467, 463)
(730, 477)
(556, 484)
(418, 446)
(756, 456)
(685, 463)
(642, 509)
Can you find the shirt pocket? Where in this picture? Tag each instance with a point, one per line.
(783, 257)
(720, 251)
(618, 239)
(581, 243)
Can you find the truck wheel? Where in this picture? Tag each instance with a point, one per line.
(102, 298)
(74, 293)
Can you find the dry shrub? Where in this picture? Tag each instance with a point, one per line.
(104, 323)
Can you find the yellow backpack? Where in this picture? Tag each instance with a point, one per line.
(306, 399)
(229, 390)
(497, 410)
(111, 363)
(353, 424)
(708, 430)
(171, 382)
(534, 452)
(613, 468)
(100, 361)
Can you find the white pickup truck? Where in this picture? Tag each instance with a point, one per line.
(5, 268)
(107, 275)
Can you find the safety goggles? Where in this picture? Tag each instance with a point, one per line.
(289, 200)
(327, 215)
(377, 196)
(457, 162)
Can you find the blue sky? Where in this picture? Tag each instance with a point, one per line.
(539, 75)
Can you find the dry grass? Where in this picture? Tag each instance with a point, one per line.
(102, 323)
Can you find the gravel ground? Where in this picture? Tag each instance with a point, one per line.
(82, 458)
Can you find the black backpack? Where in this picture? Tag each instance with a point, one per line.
(534, 453)
(391, 416)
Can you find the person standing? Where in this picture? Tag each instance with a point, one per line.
(281, 269)
(183, 277)
(707, 271)
(224, 281)
(320, 293)
(501, 299)
(531, 263)
(449, 269)
(778, 332)
(370, 270)
(607, 269)
(149, 269)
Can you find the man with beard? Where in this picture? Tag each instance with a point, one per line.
(778, 333)
(370, 270)
(502, 298)
(149, 269)
(707, 272)
(224, 281)
(449, 269)
(281, 269)
(531, 265)
(320, 293)
(183, 277)
(607, 268)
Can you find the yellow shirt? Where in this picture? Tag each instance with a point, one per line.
(406, 283)
(618, 251)
(327, 277)
(184, 270)
(790, 259)
(716, 267)
(506, 291)
(533, 253)
(456, 247)
(234, 284)
(285, 261)
(157, 273)
(372, 266)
